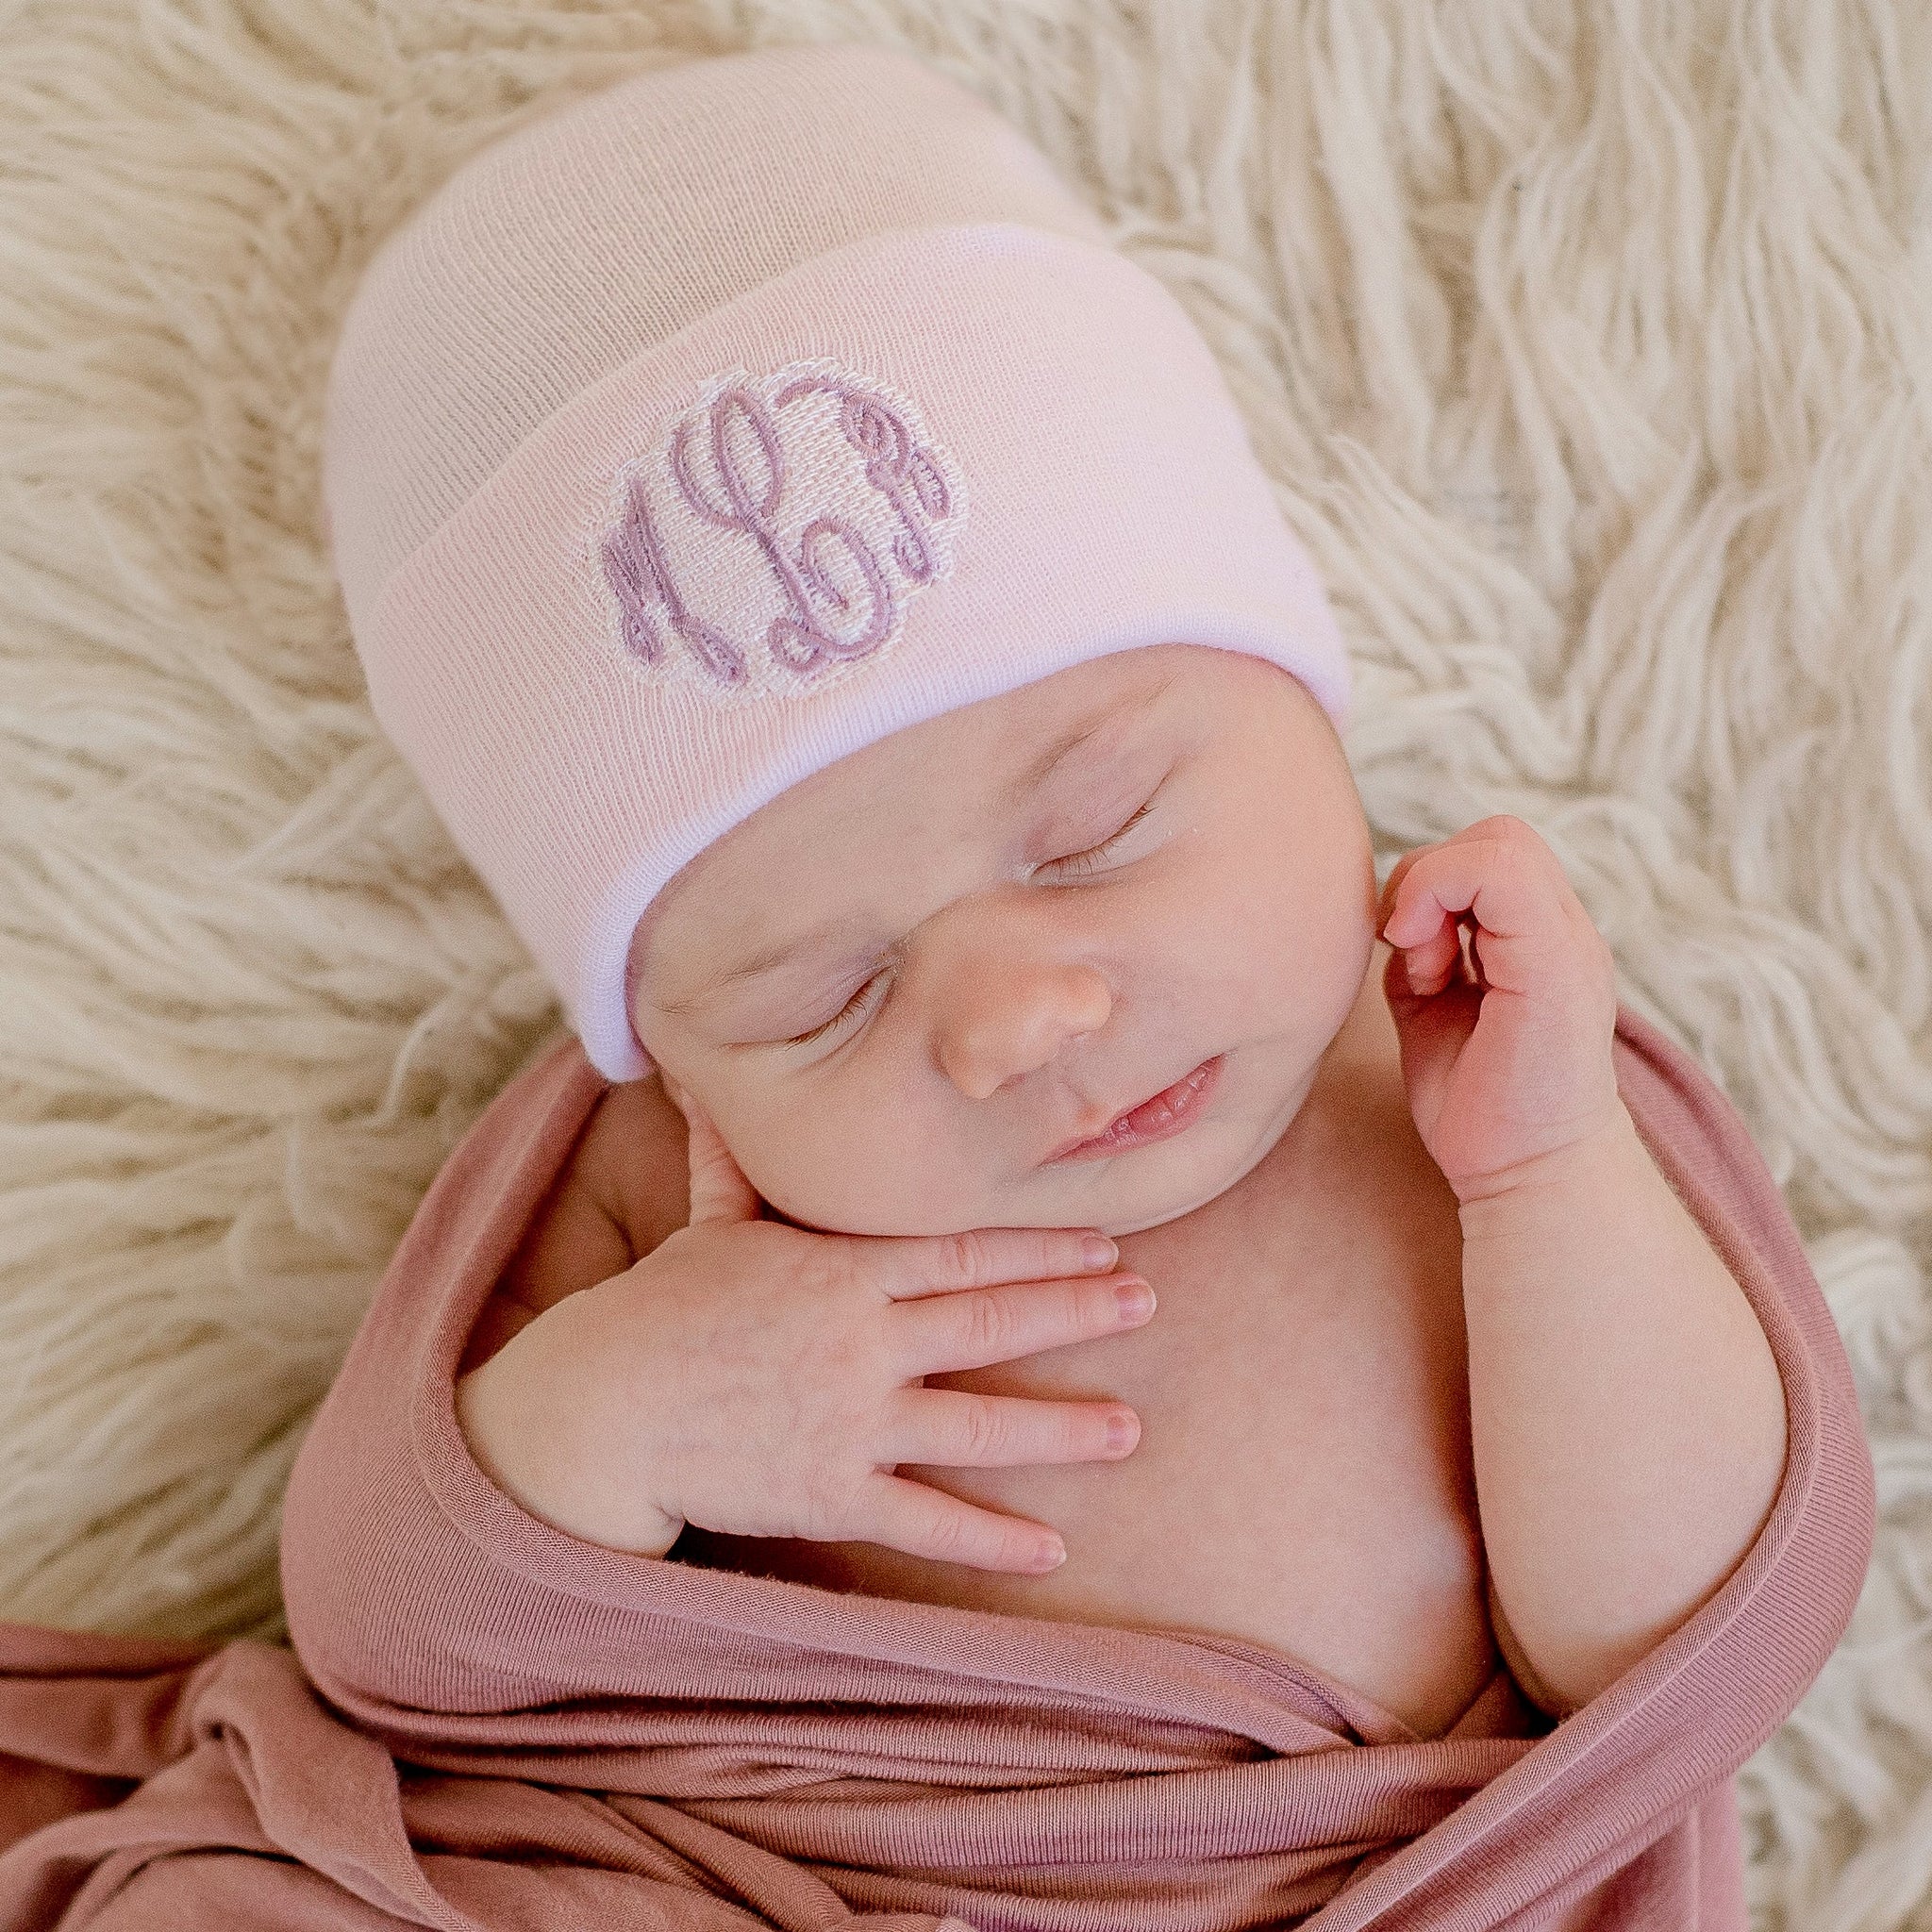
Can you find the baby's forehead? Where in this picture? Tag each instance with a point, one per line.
(973, 767)
(991, 757)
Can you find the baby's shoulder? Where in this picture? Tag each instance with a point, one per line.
(635, 1164)
(622, 1188)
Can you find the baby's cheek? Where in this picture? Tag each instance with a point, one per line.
(865, 1166)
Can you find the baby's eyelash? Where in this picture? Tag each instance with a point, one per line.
(1079, 862)
(857, 1000)
(1084, 861)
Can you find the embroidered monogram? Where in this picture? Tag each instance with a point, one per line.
(799, 511)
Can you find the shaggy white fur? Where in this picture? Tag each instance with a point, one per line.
(1591, 348)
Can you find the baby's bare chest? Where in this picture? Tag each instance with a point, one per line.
(1303, 1475)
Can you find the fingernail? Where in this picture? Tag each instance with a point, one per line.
(1098, 1251)
(1123, 1431)
(1136, 1300)
(1050, 1556)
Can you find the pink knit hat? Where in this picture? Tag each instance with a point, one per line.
(707, 429)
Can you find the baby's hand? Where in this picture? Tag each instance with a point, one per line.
(760, 1379)
(1507, 1056)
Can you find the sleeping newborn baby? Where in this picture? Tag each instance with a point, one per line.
(831, 598)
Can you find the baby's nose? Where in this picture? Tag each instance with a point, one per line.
(1004, 1022)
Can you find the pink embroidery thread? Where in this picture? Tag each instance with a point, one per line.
(752, 475)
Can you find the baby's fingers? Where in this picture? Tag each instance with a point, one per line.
(955, 1428)
(909, 1265)
(924, 1522)
(937, 1334)
(1531, 931)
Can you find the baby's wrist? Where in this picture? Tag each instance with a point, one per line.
(1607, 1158)
(532, 1461)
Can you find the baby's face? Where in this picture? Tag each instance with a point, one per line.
(978, 962)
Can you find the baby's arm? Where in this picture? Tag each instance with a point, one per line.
(1627, 1415)
(1627, 1411)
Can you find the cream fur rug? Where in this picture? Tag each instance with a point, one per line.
(1591, 346)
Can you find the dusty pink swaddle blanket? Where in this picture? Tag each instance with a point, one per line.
(487, 1724)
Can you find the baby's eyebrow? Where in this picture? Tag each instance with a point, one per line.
(1020, 786)
(1124, 711)
(766, 960)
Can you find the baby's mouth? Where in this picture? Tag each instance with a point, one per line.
(1159, 1118)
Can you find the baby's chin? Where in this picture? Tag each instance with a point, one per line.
(1135, 1223)
(1151, 1191)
